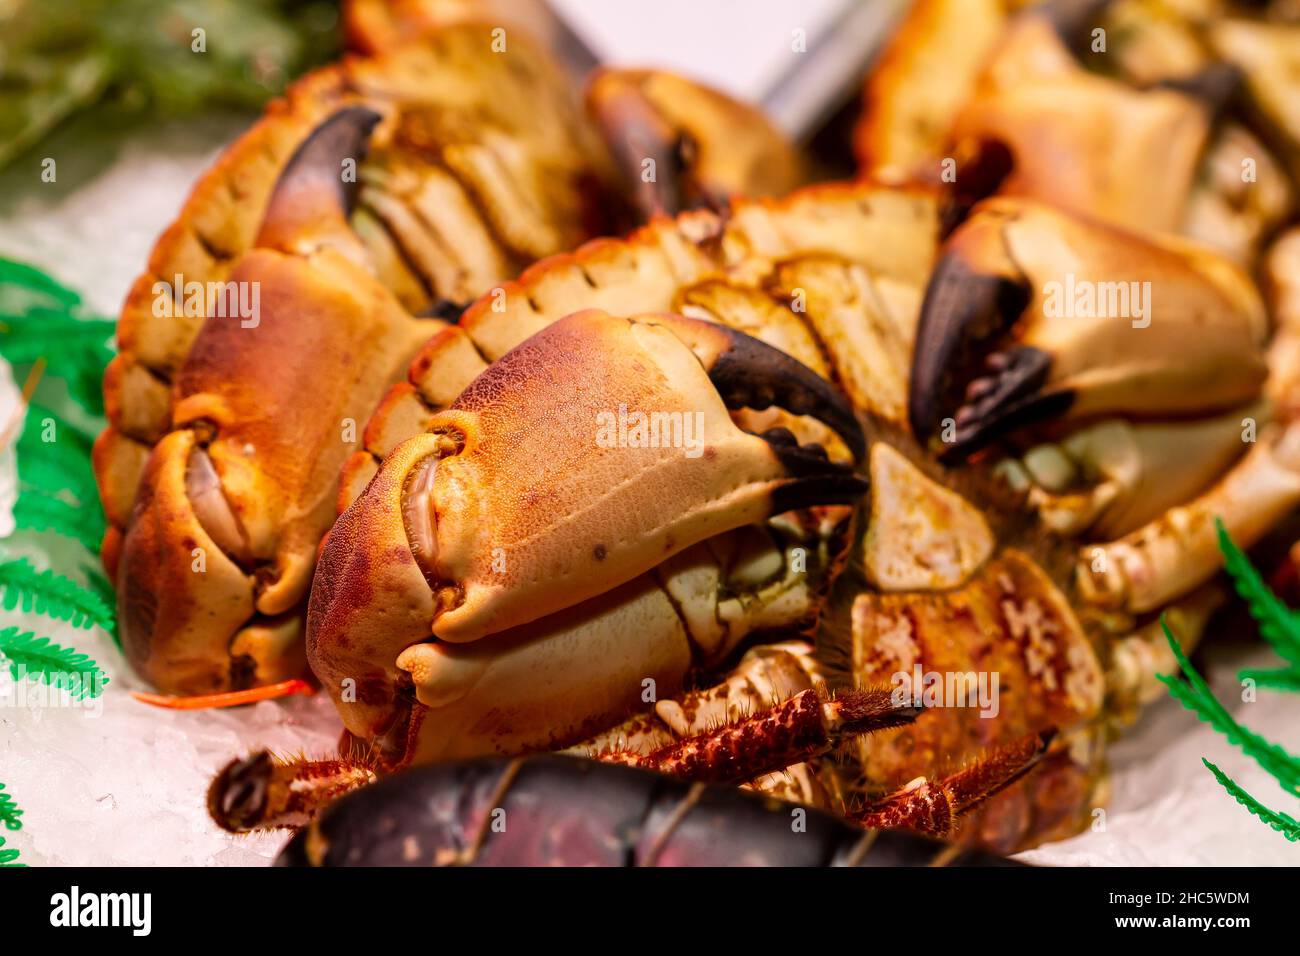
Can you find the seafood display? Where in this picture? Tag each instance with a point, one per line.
(520, 424)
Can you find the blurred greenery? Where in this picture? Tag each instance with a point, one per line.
(60, 57)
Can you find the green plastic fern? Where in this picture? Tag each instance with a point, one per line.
(1281, 678)
(53, 595)
(32, 656)
(41, 333)
(63, 463)
(8, 857)
(36, 511)
(1278, 624)
(43, 321)
(1286, 825)
(38, 414)
(23, 276)
(50, 476)
(10, 815)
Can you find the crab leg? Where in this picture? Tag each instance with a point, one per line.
(936, 807)
(1113, 477)
(805, 726)
(1173, 554)
(261, 792)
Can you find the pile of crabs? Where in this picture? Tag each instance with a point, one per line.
(585, 427)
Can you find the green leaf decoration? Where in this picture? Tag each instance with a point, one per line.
(63, 428)
(9, 812)
(60, 465)
(8, 857)
(42, 320)
(50, 477)
(1286, 825)
(35, 335)
(133, 62)
(1278, 624)
(29, 277)
(34, 511)
(1283, 678)
(32, 656)
(1197, 697)
(53, 595)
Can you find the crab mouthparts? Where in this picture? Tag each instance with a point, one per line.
(392, 745)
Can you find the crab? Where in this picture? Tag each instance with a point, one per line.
(1156, 117)
(504, 580)
(305, 272)
(903, 471)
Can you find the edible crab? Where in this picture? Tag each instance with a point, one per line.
(361, 210)
(505, 581)
(910, 463)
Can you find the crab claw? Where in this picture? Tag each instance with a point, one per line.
(215, 565)
(599, 448)
(1032, 313)
(492, 575)
(680, 145)
(315, 193)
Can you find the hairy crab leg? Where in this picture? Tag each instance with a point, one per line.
(262, 792)
(566, 811)
(798, 729)
(936, 807)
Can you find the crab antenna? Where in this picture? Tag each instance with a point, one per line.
(230, 698)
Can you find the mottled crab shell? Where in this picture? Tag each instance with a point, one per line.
(371, 599)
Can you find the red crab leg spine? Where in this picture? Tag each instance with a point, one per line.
(795, 730)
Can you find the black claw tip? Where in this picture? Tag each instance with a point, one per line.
(237, 797)
(1216, 86)
(314, 183)
(964, 311)
(752, 374)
